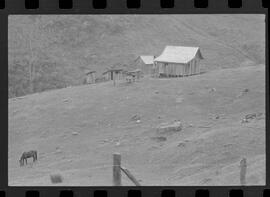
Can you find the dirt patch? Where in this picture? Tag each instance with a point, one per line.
(159, 139)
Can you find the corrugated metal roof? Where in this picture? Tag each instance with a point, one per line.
(147, 59)
(178, 54)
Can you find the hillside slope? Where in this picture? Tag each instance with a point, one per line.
(63, 46)
(206, 152)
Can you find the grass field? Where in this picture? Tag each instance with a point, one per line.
(77, 129)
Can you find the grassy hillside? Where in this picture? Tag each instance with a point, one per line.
(206, 152)
(59, 48)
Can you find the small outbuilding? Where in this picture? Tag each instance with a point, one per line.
(145, 63)
(113, 74)
(90, 77)
(133, 75)
(177, 61)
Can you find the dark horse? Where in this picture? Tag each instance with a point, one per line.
(29, 154)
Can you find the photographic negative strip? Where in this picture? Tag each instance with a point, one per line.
(180, 98)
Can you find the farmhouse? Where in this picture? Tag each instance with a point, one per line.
(176, 61)
(145, 63)
(90, 77)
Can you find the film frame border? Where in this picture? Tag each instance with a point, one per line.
(140, 6)
(120, 7)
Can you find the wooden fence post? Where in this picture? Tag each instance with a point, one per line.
(116, 169)
(243, 171)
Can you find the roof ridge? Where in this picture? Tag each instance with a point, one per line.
(182, 46)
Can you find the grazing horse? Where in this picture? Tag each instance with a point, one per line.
(29, 154)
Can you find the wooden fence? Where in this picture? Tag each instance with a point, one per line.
(117, 168)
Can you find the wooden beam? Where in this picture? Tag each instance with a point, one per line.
(130, 176)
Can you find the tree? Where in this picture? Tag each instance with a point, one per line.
(27, 41)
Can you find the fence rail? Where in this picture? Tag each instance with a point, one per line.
(117, 171)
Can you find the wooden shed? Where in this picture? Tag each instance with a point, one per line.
(113, 74)
(90, 77)
(177, 61)
(145, 63)
(133, 75)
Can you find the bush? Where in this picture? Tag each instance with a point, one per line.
(56, 178)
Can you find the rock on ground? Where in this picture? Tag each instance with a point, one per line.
(170, 127)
